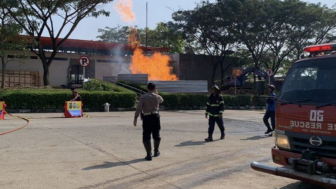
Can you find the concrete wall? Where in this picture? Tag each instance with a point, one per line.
(134, 78)
(197, 67)
(182, 86)
(58, 73)
(24, 65)
(100, 67)
(111, 69)
(175, 62)
(186, 67)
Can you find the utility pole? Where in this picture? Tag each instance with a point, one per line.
(146, 28)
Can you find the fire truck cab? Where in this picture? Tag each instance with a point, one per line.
(305, 134)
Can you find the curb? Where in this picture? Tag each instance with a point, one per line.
(162, 108)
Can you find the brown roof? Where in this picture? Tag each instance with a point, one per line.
(96, 45)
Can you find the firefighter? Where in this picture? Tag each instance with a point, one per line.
(75, 95)
(148, 106)
(215, 109)
(270, 110)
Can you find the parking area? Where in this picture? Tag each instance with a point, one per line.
(104, 150)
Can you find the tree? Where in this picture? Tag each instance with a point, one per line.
(207, 30)
(114, 35)
(301, 25)
(320, 26)
(10, 41)
(164, 35)
(251, 18)
(298, 20)
(37, 16)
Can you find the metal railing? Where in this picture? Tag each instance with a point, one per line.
(123, 85)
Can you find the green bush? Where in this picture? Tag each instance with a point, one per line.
(196, 100)
(259, 100)
(98, 85)
(55, 99)
(184, 100)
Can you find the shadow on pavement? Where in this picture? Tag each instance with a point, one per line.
(191, 143)
(194, 143)
(108, 165)
(256, 138)
(302, 185)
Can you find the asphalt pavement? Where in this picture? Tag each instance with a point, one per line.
(104, 150)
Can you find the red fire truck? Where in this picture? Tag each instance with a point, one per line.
(305, 134)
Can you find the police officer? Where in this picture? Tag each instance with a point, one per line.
(215, 109)
(148, 106)
(270, 110)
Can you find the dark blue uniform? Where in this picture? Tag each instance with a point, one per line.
(215, 109)
(270, 111)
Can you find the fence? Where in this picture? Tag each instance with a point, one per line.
(21, 79)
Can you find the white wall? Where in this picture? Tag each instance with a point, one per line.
(59, 69)
(59, 73)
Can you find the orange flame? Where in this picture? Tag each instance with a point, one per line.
(124, 8)
(133, 38)
(156, 66)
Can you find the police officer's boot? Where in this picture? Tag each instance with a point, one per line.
(209, 139)
(156, 148)
(222, 136)
(148, 148)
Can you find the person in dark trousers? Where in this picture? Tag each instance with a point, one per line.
(148, 106)
(75, 95)
(270, 110)
(215, 109)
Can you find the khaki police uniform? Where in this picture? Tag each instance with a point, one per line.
(149, 106)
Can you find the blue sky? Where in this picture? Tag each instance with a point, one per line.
(159, 11)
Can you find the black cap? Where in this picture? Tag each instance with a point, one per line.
(151, 86)
(271, 87)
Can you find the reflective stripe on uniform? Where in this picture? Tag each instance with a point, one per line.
(215, 105)
(213, 115)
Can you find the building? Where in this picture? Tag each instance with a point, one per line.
(106, 61)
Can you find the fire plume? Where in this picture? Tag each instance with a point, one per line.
(124, 8)
(156, 66)
(133, 38)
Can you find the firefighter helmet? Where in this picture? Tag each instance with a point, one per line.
(216, 88)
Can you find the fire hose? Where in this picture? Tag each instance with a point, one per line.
(16, 129)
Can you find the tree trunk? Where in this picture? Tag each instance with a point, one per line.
(46, 66)
(213, 75)
(255, 80)
(222, 75)
(3, 62)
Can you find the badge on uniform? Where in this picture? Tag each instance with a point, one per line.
(217, 101)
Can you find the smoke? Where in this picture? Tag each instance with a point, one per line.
(124, 8)
(122, 65)
(156, 66)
